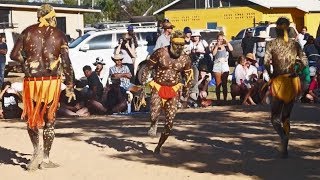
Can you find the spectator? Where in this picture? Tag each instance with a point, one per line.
(122, 72)
(10, 99)
(250, 78)
(131, 36)
(188, 42)
(238, 87)
(102, 74)
(95, 92)
(164, 39)
(221, 66)
(113, 99)
(72, 107)
(248, 42)
(259, 50)
(314, 89)
(128, 53)
(3, 52)
(312, 52)
(302, 39)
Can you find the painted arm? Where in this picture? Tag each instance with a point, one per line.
(66, 63)
(268, 58)
(16, 53)
(188, 73)
(154, 58)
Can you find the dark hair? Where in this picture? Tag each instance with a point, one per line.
(5, 84)
(282, 25)
(86, 67)
(240, 58)
(305, 27)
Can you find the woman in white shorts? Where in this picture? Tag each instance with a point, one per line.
(221, 66)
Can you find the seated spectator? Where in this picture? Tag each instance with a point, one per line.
(314, 89)
(101, 72)
(95, 92)
(312, 52)
(72, 107)
(205, 78)
(122, 72)
(238, 87)
(250, 78)
(113, 99)
(10, 99)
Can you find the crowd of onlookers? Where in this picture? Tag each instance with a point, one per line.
(210, 62)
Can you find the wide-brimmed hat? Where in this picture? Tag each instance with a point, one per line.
(250, 57)
(196, 33)
(167, 25)
(263, 34)
(99, 60)
(117, 57)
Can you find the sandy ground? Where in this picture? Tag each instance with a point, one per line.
(230, 142)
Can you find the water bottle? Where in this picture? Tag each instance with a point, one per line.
(128, 107)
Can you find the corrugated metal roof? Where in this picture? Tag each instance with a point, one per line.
(304, 5)
(57, 8)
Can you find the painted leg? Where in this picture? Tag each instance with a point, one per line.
(286, 128)
(155, 109)
(170, 113)
(276, 111)
(37, 152)
(48, 137)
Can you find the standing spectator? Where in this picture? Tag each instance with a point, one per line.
(302, 39)
(102, 74)
(312, 52)
(10, 99)
(128, 53)
(259, 50)
(95, 92)
(3, 52)
(221, 66)
(132, 36)
(164, 39)
(188, 42)
(248, 42)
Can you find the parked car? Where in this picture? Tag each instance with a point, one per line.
(101, 43)
(269, 28)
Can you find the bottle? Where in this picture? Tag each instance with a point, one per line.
(128, 107)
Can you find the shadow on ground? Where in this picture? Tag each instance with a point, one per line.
(7, 156)
(229, 140)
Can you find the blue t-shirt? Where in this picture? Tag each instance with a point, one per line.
(3, 56)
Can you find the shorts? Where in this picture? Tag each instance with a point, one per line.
(220, 67)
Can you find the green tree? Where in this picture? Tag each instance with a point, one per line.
(70, 2)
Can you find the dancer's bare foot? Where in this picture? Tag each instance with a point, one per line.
(49, 164)
(35, 160)
(153, 130)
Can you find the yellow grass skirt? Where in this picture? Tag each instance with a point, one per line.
(40, 99)
(285, 88)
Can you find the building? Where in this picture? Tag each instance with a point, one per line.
(234, 15)
(21, 15)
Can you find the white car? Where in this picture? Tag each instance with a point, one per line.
(101, 43)
(269, 28)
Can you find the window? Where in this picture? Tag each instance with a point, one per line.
(212, 25)
(273, 32)
(240, 35)
(209, 36)
(100, 42)
(119, 35)
(76, 42)
(258, 29)
(149, 37)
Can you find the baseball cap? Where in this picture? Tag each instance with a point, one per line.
(187, 30)
(130, 28)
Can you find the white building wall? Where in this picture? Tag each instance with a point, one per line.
(23, 19)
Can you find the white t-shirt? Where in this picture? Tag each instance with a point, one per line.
(201, 46)
(251, 70)
(301, 40)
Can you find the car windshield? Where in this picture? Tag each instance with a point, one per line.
(258, 29)
(78, 40)
(273, 33)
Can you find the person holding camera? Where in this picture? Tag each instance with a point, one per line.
(220, 65)
(127, 49)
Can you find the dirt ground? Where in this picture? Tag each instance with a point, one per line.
(230, 142)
